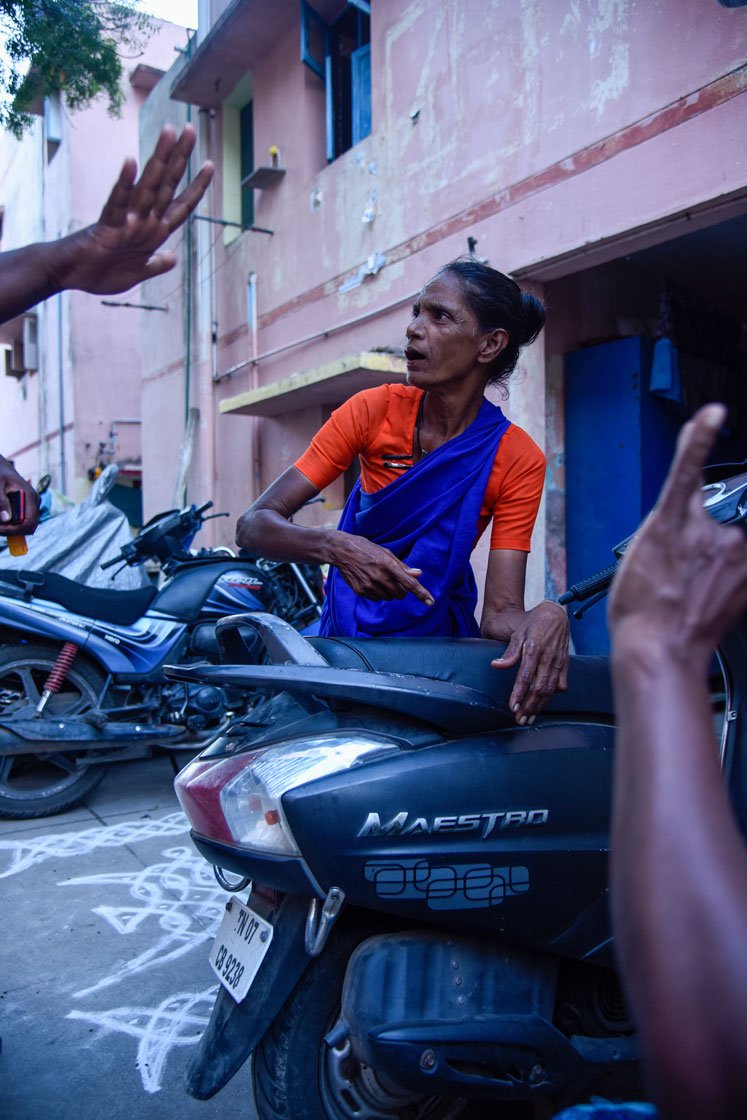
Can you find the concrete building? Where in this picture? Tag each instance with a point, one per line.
(592, 148)
(71, 399)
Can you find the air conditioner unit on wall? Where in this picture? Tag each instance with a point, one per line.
(30, 343)
(14, 359)
(22, 355)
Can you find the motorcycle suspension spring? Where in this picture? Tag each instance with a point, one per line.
(57, 674)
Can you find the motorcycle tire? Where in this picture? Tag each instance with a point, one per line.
(32, 786)
(297, 1076)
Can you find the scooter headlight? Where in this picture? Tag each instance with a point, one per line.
(238, 800)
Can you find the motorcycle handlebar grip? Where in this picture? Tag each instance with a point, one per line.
(585, 588)
(111, 563)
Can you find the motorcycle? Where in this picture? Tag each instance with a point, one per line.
(427, 920)
(81, 668)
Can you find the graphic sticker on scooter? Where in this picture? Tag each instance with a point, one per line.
(457, 887)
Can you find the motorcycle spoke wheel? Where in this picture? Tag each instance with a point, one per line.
(33, 786)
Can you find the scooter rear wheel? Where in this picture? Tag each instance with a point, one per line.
(298, 1076)
(33, 786)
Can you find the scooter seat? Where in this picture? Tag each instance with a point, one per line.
(121, 608)
(466, 661)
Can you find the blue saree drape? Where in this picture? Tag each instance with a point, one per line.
(427, 517)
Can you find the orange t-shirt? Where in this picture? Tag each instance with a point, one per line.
(378, 425)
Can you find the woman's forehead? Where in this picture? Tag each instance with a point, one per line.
(442, 288)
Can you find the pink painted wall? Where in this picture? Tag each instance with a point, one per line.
(544, 130)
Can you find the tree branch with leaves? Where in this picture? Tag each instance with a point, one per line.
(65, 46)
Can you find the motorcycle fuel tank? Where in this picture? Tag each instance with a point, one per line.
(239, 590)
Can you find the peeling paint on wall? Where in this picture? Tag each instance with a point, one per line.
(615, 83)
(609, 19)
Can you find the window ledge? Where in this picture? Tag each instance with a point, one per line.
(330, 384)
(263, 177)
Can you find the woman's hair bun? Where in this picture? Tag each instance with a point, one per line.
(497, 301)
(534, 317)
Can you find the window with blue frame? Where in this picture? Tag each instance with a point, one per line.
(340, 54)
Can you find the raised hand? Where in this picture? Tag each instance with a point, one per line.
(122, 248)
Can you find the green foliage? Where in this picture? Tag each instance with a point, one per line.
(67, 46)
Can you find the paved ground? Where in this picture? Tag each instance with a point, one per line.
(107, 915)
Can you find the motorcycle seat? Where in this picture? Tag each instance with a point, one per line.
(466, 661)
(121, 608)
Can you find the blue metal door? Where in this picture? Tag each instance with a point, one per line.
(619, 441)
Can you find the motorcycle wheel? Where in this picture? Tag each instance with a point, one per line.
(298, 1076)
(34, 786)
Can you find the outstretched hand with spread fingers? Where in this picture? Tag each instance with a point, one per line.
(123, 247)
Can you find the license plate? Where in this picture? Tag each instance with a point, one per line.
(240, 947)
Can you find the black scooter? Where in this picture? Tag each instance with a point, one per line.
(428, 920)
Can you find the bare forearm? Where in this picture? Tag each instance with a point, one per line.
(264, 532)
(678, 866)
(36, 272)
(25, 279)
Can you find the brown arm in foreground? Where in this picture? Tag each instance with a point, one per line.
(679, 868)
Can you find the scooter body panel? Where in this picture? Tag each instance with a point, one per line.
(504, 833)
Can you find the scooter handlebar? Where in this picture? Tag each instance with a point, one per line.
(585, 588)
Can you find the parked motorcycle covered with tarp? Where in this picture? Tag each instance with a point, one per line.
(81, 667)
(76, 540)
(428, 922)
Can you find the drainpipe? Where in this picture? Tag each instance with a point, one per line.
(188, 295)
(61, 395)
(206, 331)
(253, 320)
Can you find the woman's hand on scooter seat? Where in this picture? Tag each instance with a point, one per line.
(539, 645)
(538, 639)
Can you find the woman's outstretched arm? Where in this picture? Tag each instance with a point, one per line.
(372, 571)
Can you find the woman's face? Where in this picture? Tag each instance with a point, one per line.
(444, 340)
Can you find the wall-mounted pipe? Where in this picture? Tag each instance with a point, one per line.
(61, 395)
(252, 316)
(324, 333)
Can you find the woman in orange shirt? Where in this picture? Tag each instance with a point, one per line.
(438, 463)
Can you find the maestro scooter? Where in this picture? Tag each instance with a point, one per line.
(427, 923)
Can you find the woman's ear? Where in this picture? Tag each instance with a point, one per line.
(491, 345)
